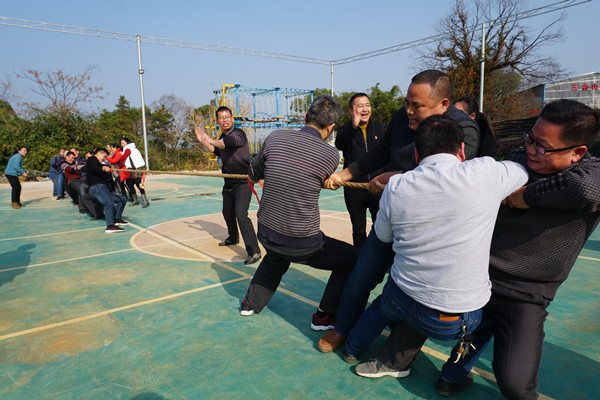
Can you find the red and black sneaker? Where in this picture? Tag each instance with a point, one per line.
(245, 309)
(322, 321)
(119, 222)
(114, 229)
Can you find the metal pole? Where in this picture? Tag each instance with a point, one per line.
(331, 64)
(482, 59)
(141, 72)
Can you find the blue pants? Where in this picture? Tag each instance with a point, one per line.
(374, 260)
(113, 203)
(395, 305)
(60, 184)
(52, 177)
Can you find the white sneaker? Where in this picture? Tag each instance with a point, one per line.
(246, 310)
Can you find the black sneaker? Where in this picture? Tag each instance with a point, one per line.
(120, 222)
(322, 321)
(228, 242)
(445, 388)
(114, 229)
(252, 258)
(245, 309)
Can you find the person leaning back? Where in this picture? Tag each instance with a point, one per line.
(294, 165)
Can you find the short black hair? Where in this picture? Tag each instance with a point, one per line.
(324, 111)
(438, 134)
(222, 108)
(69, 153)
(470, 102)
(580, 123)
(99, 150)
(437, 80)
(356, 96)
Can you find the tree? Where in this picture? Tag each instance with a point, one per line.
(65, 91)
(123, 121)
(161, 130)
(511, 53)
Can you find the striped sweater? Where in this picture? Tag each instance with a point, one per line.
(294, 165)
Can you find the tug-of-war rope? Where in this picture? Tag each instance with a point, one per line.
(355, 185)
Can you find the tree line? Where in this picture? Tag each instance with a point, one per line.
(512, 63)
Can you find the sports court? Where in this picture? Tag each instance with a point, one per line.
(153, 313)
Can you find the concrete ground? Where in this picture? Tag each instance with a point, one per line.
(153, 313)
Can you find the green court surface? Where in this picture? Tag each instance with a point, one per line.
(153, 313)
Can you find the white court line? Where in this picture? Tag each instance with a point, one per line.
(424, 349)
(114, 310)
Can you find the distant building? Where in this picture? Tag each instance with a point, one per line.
(584, 88)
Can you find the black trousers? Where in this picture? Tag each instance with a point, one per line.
(85, 202)
(135, 179)
(15, 195)
(358, 201)
(335, 256)
(236, 200)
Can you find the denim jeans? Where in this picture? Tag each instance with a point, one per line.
(52, 177)
(60, 184)
(394, 305)
(374, 260)
(113, 203)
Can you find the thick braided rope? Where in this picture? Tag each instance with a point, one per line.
(356, 185)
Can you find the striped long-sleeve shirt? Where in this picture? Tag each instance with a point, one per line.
(294, 165)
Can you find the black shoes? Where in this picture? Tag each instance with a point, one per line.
(228, 242)
(446, 388)
(252, 258)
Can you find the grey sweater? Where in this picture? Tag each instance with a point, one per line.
(533, 250)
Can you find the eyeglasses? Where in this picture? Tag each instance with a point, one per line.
(541, 149)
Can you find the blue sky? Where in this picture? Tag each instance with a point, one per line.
(319, 29)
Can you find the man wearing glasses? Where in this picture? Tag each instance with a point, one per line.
(355, 139)
(539, 233)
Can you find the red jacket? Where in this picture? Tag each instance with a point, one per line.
(119, 160)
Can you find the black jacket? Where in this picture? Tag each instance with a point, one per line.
(351, 142)
(396, 147)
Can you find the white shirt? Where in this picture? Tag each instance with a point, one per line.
(440, 217)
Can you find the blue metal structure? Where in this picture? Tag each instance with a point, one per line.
(260, 110)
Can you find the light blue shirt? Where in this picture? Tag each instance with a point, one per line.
(15, 165)
(440, 217)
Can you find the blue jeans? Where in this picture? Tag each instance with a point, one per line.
(113, 203)
(394, 305)
(60, 184)
(374, 260)
(52, 177)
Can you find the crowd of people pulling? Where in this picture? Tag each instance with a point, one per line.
(93, 184)
(474, 247)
